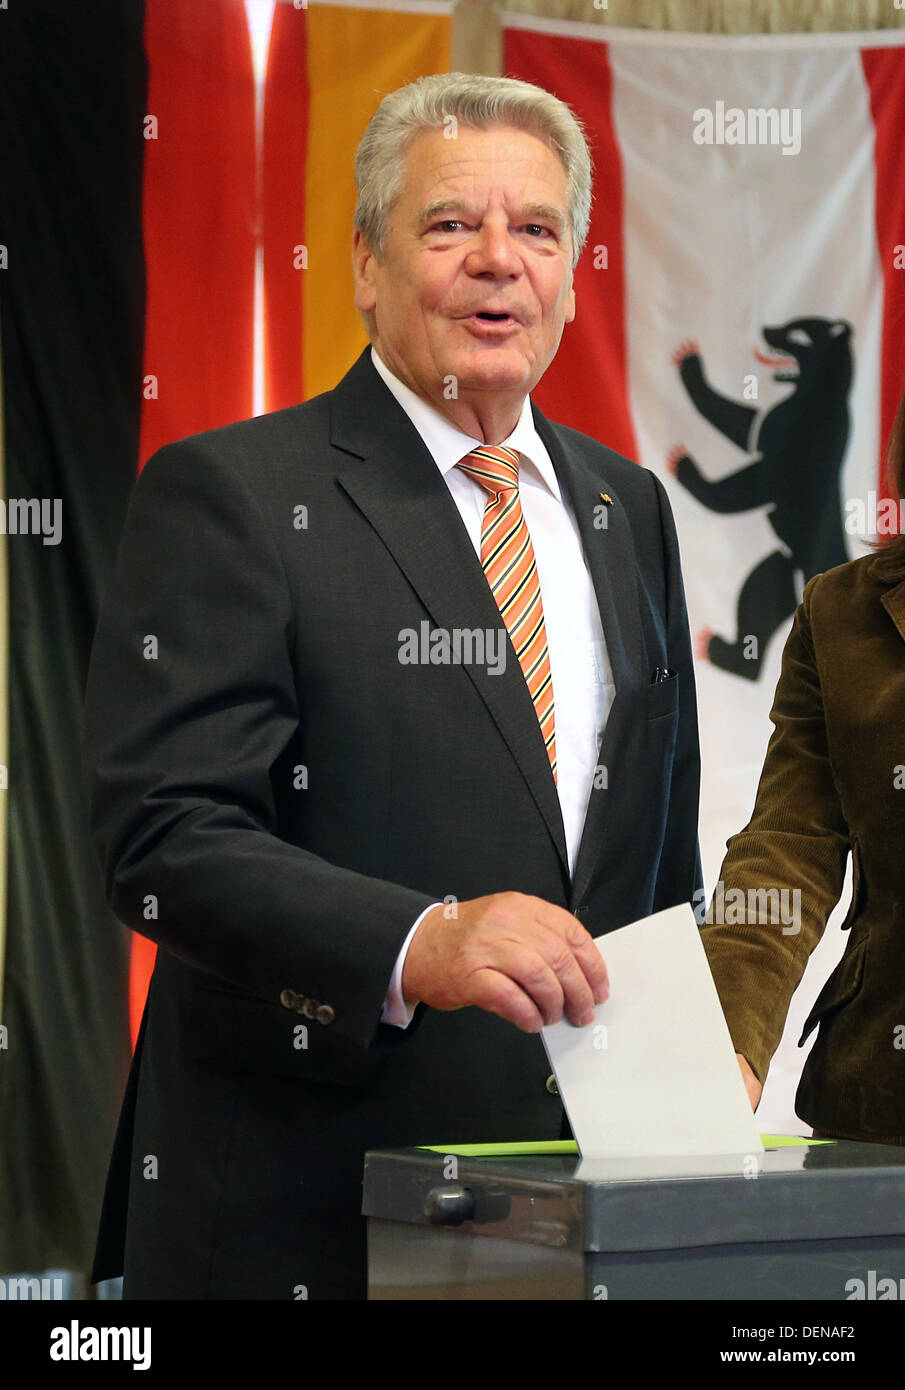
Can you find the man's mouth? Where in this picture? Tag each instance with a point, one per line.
(490, 323)
(488, 314)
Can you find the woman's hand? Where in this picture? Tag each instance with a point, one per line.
(752, 1085)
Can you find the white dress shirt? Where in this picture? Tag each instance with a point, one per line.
(583, 688)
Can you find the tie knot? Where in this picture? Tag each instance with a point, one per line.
(493, 466)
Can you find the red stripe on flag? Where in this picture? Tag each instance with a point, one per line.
(586, 385)
(199, 218)
(286, 120)
(884, 70)
(199, 234)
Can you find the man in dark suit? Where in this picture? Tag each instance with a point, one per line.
(390, 709)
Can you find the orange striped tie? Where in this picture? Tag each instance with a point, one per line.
(507, 557)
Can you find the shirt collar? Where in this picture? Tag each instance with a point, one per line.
(447, 444)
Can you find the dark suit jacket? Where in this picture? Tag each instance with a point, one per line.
(828, 785)
(275, 799)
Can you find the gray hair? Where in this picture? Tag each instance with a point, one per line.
(474, 100)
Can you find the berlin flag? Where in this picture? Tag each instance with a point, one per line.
(740, 329)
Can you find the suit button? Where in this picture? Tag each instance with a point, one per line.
(580, 912)
(552, 1086)
(306, 1007)
(324, 1014)
(288, 998)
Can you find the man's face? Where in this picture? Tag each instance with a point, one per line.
(475, 280)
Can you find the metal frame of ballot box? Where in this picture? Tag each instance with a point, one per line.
(814, 1220)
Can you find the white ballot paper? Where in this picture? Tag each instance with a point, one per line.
(654, 1078)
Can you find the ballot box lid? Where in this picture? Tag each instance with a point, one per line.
(831, 1191)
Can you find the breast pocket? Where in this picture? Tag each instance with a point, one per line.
(663, 697)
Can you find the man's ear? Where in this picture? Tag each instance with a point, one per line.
(363, 268)
(570, 306)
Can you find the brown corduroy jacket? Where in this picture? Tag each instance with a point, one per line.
(833, 780)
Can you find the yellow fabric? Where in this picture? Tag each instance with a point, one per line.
(355, 56)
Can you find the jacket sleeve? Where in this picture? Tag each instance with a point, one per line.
(796, 840)
(190, 701)
(680, 878)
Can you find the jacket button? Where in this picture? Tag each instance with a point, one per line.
(552, 1086)
(306, 1006)
(324, 1014)
(580, 912)
(288, 998)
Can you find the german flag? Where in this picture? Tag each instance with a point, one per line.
(175, 254)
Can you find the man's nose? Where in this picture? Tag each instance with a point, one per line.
(493, 251)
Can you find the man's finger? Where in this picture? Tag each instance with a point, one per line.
(578, 996)
(526, 963)
(498, 994)
(581, 944)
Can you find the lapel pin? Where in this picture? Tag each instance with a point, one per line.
(605, 497)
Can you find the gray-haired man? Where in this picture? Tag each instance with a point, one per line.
(378, 856)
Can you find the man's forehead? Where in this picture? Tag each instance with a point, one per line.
(479, 157)
(477, 152)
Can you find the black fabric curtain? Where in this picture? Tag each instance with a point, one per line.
(73, 86)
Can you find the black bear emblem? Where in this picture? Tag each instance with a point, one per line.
(798, 448)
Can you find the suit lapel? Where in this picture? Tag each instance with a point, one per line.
(610, 557)
(395, 483)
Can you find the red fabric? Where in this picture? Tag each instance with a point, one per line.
(199, 203)
(884, 70)
(283, 211)
(586, 385)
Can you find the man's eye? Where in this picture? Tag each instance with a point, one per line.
(455, 224)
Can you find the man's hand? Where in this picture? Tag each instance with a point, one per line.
(511, 954)
(752, 1085)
